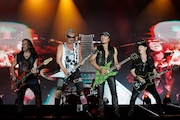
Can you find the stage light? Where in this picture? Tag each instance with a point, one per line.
(167, 99)
(146, 100)
(1, 99)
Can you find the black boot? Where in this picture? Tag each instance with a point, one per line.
(39, 113)
(116, 112)
(101, 112)
(20, 111)
(56, 109)
(86, 110)
(131, 113)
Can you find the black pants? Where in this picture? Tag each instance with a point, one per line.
(152, 90)
(112, 86)
(21, 93)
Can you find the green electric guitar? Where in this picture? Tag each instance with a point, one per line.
(99, 78)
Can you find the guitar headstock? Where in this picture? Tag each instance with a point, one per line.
(95, 51)
(47, 61)
(134, 56)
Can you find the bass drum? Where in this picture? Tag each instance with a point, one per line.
(92, 100)
(92, 97)
(72, 99)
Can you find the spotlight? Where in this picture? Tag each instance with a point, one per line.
(167, 99)
(1, 99)
(146, 100)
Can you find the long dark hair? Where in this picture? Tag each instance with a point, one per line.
(31, 48)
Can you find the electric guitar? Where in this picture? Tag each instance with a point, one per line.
(72, 70)
(99, 78)
(16, 85)
(149, 79)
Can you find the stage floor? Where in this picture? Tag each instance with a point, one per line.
(71, 112)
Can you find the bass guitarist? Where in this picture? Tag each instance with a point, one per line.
(105, 55)
(27, 61)
(141, 67)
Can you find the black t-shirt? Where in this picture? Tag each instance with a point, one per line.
(142, 68)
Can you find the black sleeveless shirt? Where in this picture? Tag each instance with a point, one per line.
(101, 60)
(25, 66)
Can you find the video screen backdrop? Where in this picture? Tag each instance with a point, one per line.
(128, 22)
(163, 44)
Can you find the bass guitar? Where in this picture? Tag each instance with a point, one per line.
(72, 70)
(99, 78)
(149, 79)
(16, 85)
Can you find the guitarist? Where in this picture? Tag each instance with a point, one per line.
(27, 61)
(140, 67)
(69, 53)
(106, 54)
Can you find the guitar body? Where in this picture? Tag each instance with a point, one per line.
(59, 75)
(139, 86)
(99, 79)
(16, 85)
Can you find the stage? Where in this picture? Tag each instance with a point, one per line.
(70, 111)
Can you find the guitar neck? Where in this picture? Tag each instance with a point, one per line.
(79, 64)
(161, 73)
(29, 73)
(121, 63)
(165, 71)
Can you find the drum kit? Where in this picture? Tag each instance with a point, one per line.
(70, 96)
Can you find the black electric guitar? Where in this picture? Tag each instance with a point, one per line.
(21, 79)
(149, 79)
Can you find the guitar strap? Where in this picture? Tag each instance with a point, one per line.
(75, 60)
(76, 49)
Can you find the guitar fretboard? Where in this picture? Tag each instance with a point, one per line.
(121, 63)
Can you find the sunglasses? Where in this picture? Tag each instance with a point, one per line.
(70, 36)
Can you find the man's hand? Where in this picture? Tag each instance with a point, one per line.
(82, 63)
(103, 71)
(118, 67)
(34, 70)
(157, 75)
(14, 78)
(140, 79)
